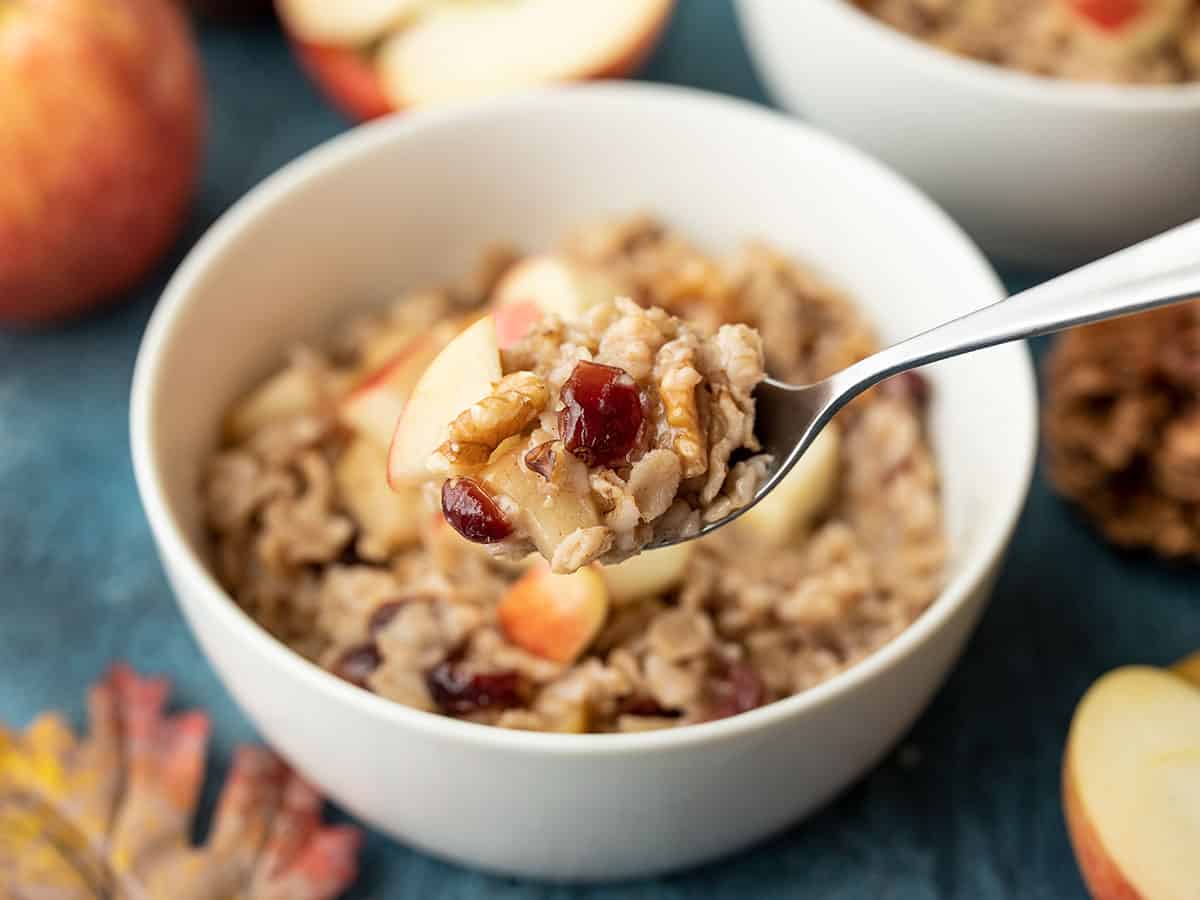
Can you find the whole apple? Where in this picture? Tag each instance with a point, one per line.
(101, 126)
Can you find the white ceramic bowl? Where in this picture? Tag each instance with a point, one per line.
(1038, 170)
(412, 199)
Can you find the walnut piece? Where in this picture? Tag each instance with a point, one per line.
(513, 404)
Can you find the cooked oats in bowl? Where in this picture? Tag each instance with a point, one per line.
(1119, 41)
(371, 582)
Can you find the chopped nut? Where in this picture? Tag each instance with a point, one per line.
(515, 402)
(677, 388)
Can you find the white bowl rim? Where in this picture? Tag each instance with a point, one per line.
(988, 77)
(344, 148)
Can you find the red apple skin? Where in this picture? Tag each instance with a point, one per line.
(1103, 879)
(354, 87)
(1110, 15)
(101, 127)
(346, 78)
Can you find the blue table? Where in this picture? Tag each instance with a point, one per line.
(969, 808)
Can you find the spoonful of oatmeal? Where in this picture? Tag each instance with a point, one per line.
(625, 429)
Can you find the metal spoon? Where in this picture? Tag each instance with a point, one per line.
(1157, 272)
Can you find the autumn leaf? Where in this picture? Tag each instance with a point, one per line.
(109, 814)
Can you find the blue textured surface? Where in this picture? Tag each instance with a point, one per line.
(971, 812)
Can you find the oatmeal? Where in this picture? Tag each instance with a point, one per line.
(374, 585)
(1118, 41)
(602, 434)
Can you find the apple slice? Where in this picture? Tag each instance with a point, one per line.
(554, 616)
(1189, 668)
(542, 285)
(375, 405)
(648, 573)
(547, 518)
(1131, 786)
(802, 495)
(457, 51)
(295, 391)
(458, 377)
(347, 23)
(1127, 26)
(388, 519)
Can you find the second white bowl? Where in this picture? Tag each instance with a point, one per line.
(1038, 170)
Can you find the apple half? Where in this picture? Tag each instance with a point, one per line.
(409, 53)
(1131, 786)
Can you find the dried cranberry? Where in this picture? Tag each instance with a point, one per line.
(740, 689)
(601, 419)
(912, 387)
(357, 663)
(541, 459)
(459, 694)
(473, 513)
(385, 612)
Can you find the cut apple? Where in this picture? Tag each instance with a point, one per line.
(547, 518)
(647, 574)
(375, 405)
(375, 56)
(388, 519)
(1128, 26)
(296, 391)
(1131, 786)
(554, 616)
(345, 22)
(457, 378)
(458, 51)
(804, 492)
(547, 285)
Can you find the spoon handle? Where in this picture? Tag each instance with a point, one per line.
(1162, 270)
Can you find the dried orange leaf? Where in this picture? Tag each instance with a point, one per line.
(109, 814)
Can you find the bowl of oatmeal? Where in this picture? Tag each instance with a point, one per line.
(505, 268)
(1054, 130)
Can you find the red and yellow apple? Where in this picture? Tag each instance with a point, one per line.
(375, 56)
(101, 125)
(554, 616)
(1131, 784)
